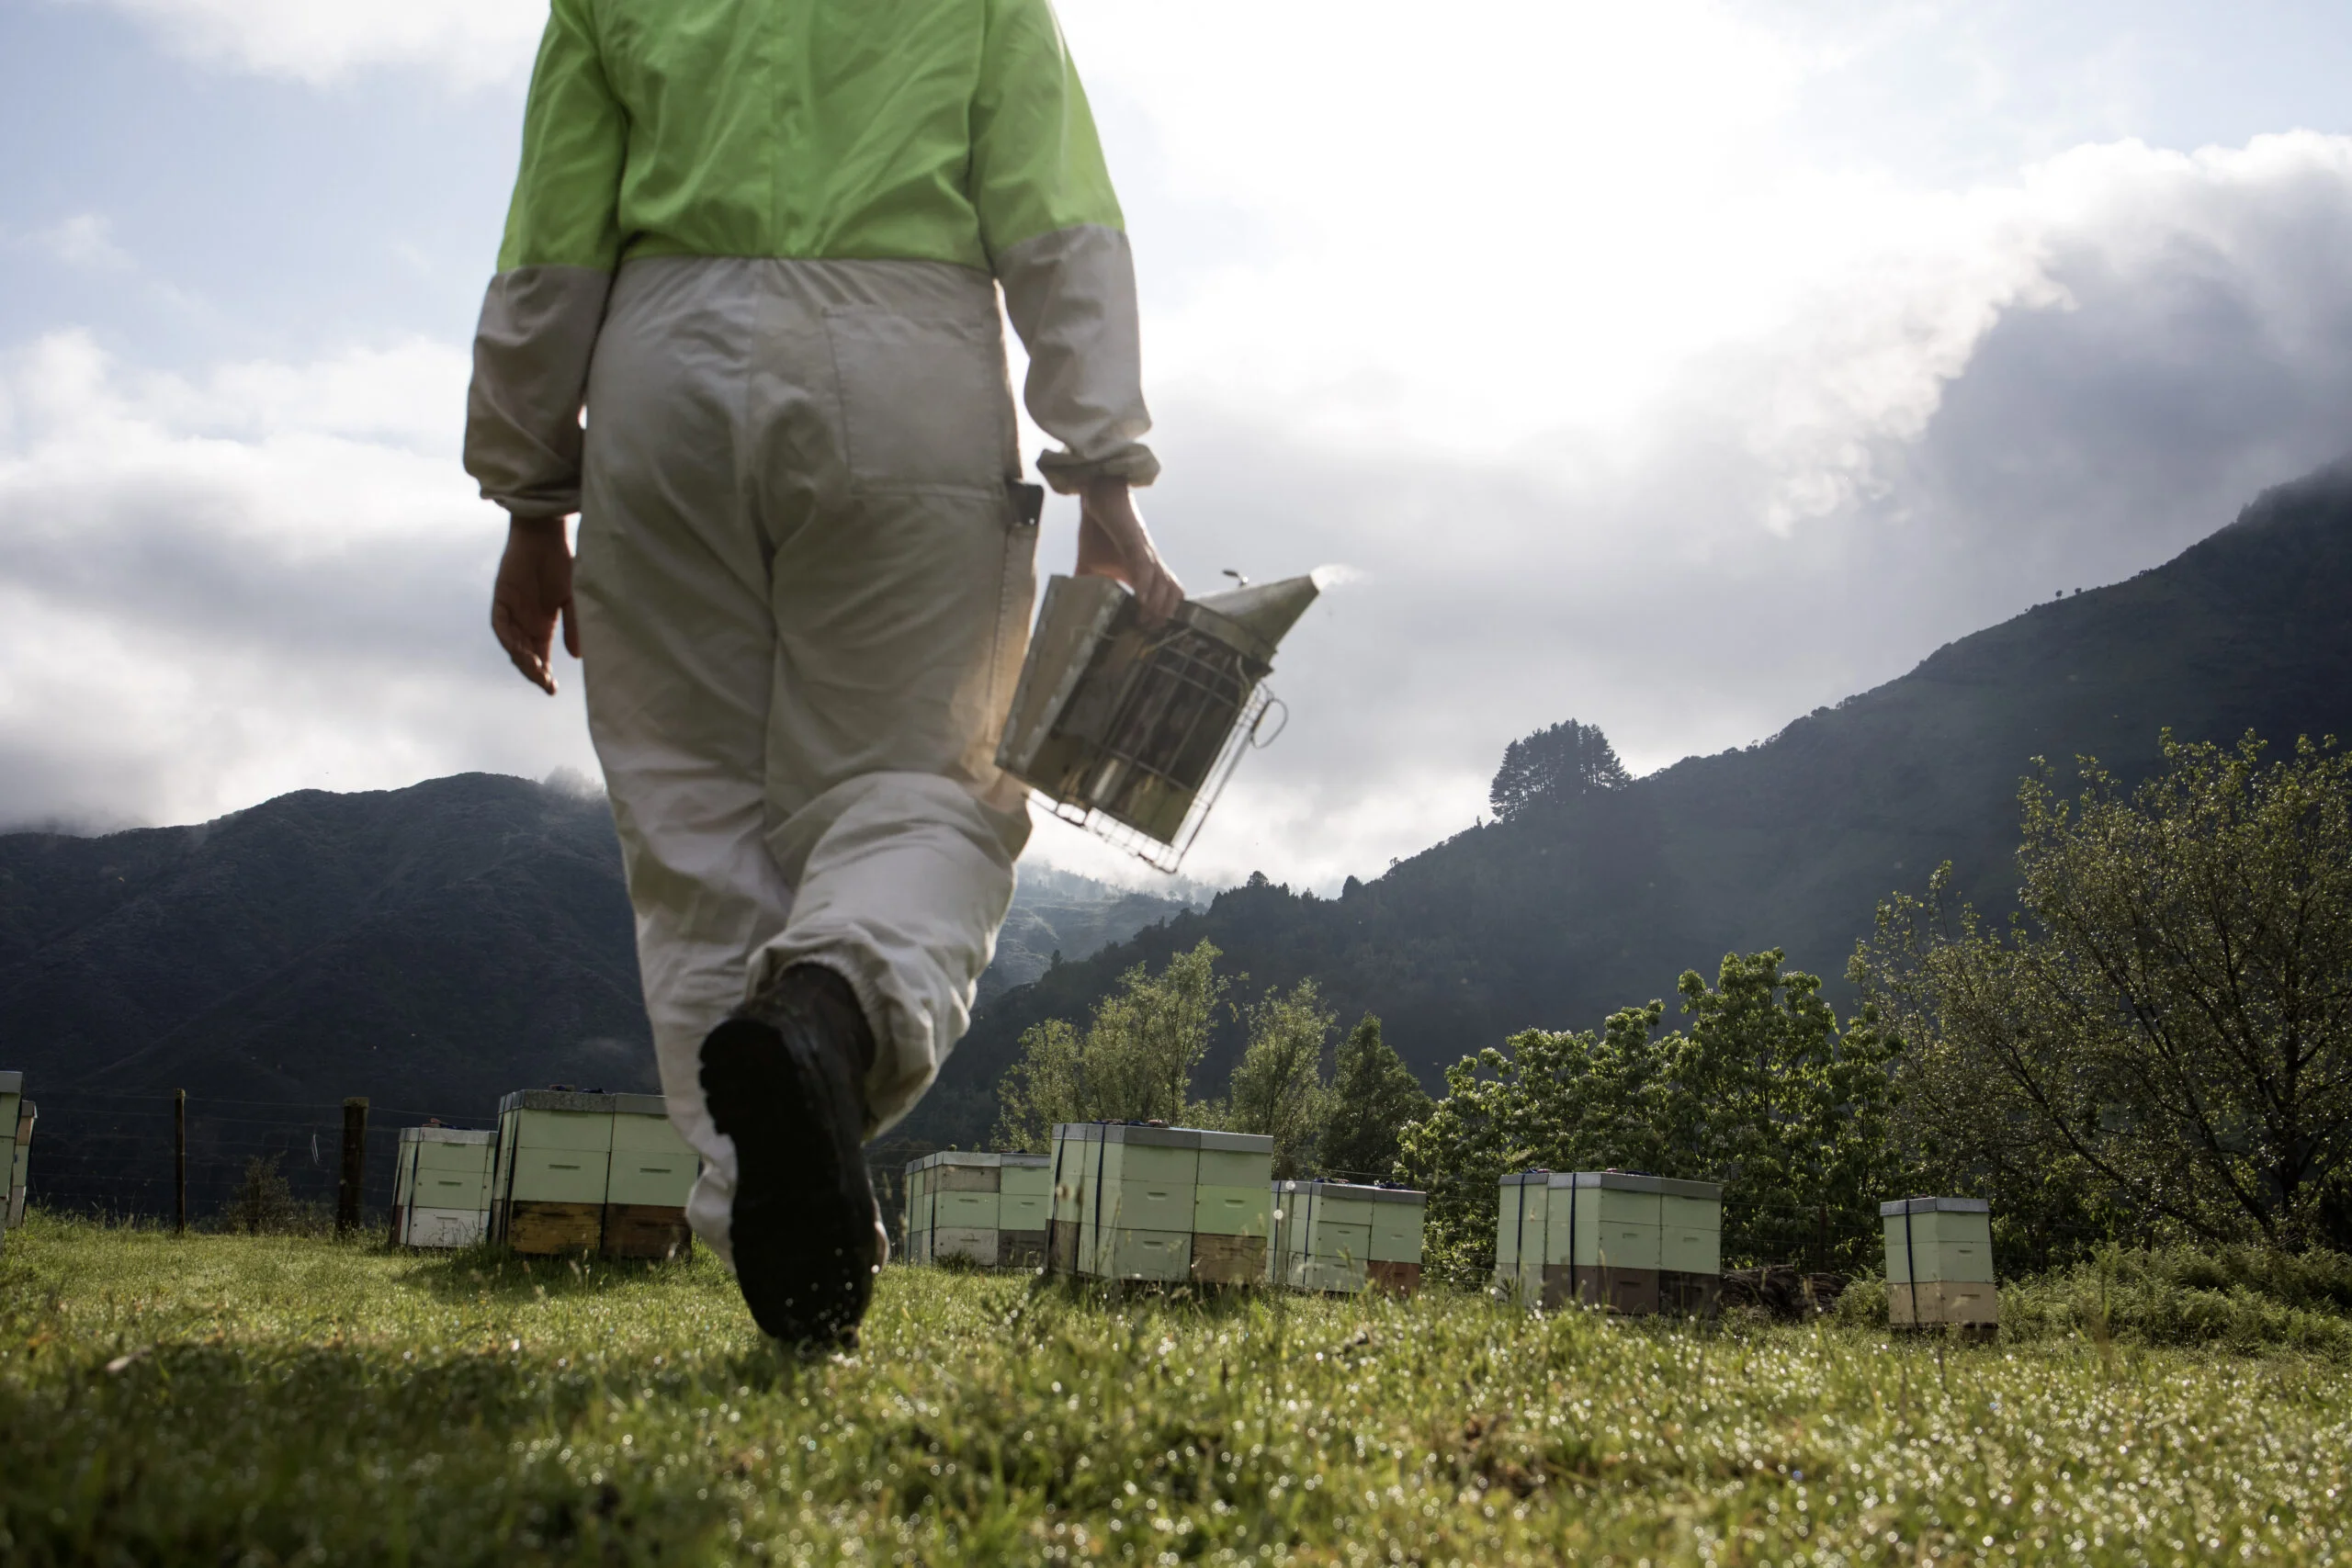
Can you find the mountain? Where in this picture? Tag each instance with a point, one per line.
(1568, 910)
(429, 948)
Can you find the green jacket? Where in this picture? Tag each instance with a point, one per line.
(942, 130)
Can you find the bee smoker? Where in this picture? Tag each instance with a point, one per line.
(1133, 731)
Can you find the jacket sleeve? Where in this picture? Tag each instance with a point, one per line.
(1055, 236)
(540, 316)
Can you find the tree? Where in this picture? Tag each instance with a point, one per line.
(1133, 1063)
(1277, 1087)
(1558, 764)
(1764, 1094)
(264, 1204)
(2163, 1037)
(1374, 1096)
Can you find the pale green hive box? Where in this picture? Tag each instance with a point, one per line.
(28, 1114)
(1939, 1264)
(1136, 1202)
(1342, 1237)
(988, 1209)
(584, 1171)
(1633, 1243)
(441, 1186)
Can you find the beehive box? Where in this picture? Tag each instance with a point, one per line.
(1169, 1204)
(1939, 1264)
(989, 1209)
(1338, 1236)
(1618, 1239)
(20, 1169)
(13, 1125)
(583, 1172)
(441, 1186)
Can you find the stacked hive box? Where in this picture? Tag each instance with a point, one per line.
(989, 1209)
(582, 1172)
(441, 1186)
(1133, 1201)
(1634, 1243)
(12, 1106)
(1335, 1235)
(1939, 1264)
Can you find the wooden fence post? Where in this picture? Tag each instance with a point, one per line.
(179, 1161)
(355, 1165)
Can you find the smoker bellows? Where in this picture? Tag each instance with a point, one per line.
(1133, 730)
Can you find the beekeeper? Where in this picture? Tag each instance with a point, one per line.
(761, 242)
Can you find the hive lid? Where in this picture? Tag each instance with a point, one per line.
(1639, 1181)
(1538, 1177)
(1934, 1205)
(980, 1158)
(444, 1135)
(1354, 1191)
(12, 1083)
(1261, 612)
(584, 1102)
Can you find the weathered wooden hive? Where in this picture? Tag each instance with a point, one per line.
(586, 1172)
(28, 1114)
(1939, 1264)
(1631, 1243)
(989, 1209)
(13, 1123)
(1338, 1236)
(1136, 1202)
(441, 1186)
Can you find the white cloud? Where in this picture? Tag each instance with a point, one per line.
(84, 241)
(470, 43)
(273, 579)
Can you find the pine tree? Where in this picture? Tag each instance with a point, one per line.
(1373, 1095)
(1558, 764)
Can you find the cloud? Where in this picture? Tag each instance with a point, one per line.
(468, 42)
(84, 241)
(274, 578)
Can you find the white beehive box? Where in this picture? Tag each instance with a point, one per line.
(441, 1186)
(590, 1172)
(1939, 1264)
(988, 1209)
(1136, 1202)
(1633, 1243)
(1338, 1236)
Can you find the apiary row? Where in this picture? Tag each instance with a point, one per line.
(566, 1171)
(1133, 1201)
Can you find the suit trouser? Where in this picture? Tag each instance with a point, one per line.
(804, 590)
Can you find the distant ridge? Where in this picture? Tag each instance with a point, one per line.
(1562, 913)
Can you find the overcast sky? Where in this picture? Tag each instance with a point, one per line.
(1677, 368)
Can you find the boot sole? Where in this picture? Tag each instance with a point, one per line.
(802, 1227)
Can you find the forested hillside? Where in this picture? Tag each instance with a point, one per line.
(1581, 900)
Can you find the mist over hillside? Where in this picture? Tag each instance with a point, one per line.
(1573, 907)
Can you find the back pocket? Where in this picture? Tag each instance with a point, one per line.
(924, 402)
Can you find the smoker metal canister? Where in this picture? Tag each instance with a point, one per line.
(1132, 731)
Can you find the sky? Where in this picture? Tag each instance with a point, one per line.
(1677, 367)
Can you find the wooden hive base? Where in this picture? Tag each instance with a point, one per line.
(1061, 1246)
(1021, 1250)
(1229, 1259)
(538, 1229)
(646, 1230)
(1631, 1292)
(1945, 1304)
(1396, 1278)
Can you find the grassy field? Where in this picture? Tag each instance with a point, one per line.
(230, 1400)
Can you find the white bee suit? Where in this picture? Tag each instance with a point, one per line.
(806, 564)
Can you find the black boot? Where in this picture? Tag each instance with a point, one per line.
(785, 1079)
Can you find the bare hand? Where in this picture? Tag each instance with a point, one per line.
(534, 591)
(1113, 543)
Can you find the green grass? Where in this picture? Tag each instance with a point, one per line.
(227, 1400)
